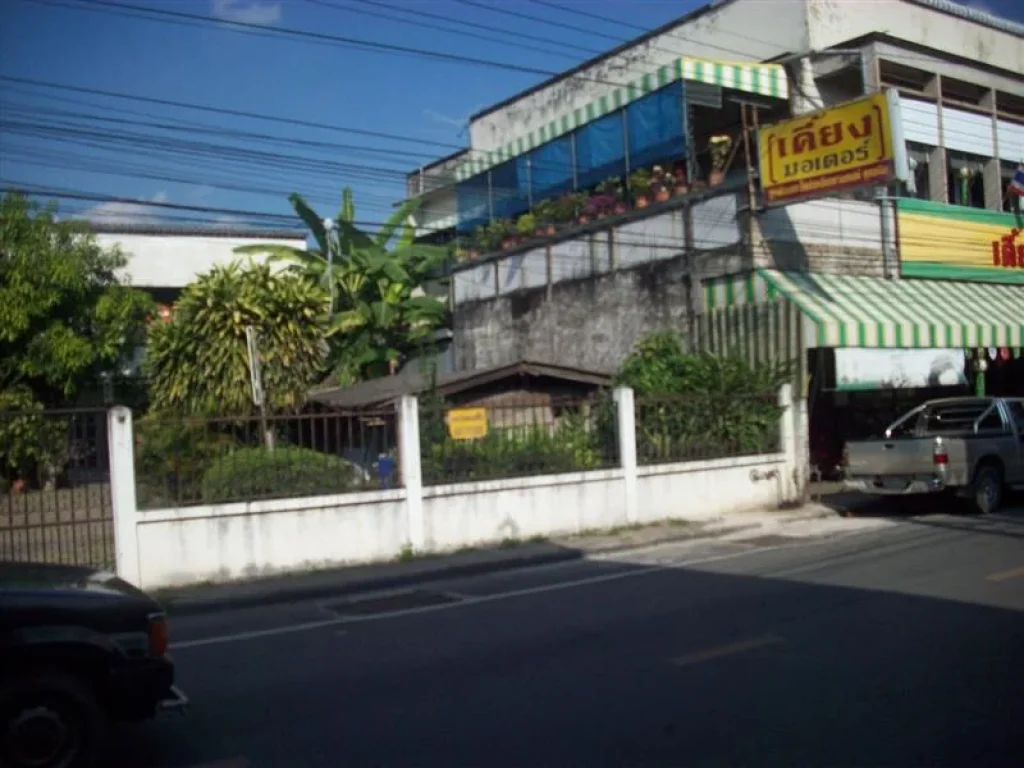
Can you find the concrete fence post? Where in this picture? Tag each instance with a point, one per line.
(625, 407)
(121, 449)
(788, 443)
(411, 469)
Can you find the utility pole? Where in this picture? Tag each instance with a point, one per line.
(259, 397)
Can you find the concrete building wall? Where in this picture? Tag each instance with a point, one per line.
(833, 22)
(171, 260)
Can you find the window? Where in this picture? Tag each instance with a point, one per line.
(473, 202)
(966, 181)
(510, 188)
(1017, 414)
(958, 417)
(992, 422)
(1011, 200)
(919, 184)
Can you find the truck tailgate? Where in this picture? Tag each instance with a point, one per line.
(904, 457)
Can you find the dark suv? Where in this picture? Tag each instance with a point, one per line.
(78, 647)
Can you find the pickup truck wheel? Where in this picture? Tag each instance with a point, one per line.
(48, 721)
(987, 492)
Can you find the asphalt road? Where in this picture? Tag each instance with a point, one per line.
(847, 642)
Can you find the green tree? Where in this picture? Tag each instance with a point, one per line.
(700, 405)
(197, 363)
(380, 311)
(65, 321)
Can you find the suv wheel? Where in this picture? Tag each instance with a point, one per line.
(988, 489)
(48, 721)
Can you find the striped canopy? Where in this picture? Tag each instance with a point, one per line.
(850, 311)
(761, 79)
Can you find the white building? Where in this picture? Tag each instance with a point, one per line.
(163, 260)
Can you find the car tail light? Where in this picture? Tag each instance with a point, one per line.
(940, 457)
(158, 635)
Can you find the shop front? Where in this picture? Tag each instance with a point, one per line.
(875, 347)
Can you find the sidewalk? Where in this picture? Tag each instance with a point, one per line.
(205, 598)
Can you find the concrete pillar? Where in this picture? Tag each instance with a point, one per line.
(625, 408)
(408, 410)
(121, 450)
(793, 433)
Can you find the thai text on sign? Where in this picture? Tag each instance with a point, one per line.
(834, 149)
(467, 423)
(1007, 252)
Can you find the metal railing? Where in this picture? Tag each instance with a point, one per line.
(55, 503)
(692, 428)
(188, 461)
(528, 435)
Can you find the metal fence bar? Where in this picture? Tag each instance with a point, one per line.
(188, 461)
(518, 436)
(54, 488)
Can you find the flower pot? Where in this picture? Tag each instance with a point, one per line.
(550, 230)
(680, 189)
(642, 201)
(716, 178)
(662, 195)
(18, 486)
(509, 243)
(474, 254)
(583, 219)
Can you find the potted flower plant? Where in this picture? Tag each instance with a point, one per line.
(526, 225)
(680, 186)
(566, 208)
(546, 213)
(661, 184)
(612, 188)
(640, 186)
(720, 147)
(599, 206)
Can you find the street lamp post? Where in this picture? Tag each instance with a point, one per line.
(332, 243)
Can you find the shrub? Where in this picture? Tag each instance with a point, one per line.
(256, 473)
(172, 455)
(516, 452)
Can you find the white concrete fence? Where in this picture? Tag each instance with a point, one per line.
(222, 542)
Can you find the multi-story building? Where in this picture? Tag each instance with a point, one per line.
(877, 286)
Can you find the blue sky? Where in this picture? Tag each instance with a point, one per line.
(209, 63)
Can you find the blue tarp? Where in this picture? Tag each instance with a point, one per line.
(510, 188)
(471, 197)
(657, 129)
(551, 168)
(600, 150)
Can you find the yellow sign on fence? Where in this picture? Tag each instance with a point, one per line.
(467, 423)
(821, 153)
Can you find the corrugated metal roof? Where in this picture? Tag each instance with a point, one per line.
(380, 391)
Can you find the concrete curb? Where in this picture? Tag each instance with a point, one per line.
(282, 591)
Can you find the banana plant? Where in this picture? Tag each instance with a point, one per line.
(379, 312)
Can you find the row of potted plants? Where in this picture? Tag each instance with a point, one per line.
(609, 198)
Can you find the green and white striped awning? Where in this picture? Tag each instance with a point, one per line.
(849, 311)
(762, 79)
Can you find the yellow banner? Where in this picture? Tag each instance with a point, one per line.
(820, 153)
(467, 423)
(957, 243)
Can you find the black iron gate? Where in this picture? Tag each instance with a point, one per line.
(55, 503)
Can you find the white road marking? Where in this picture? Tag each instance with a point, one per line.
(255, 634)
(468, 601)
(726, 650)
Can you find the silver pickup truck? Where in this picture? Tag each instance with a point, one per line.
(969, 447)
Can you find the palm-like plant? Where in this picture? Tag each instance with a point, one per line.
(379, 310)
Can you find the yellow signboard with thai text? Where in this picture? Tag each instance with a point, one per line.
(467, 423)
(852, 145)
(952, 242)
